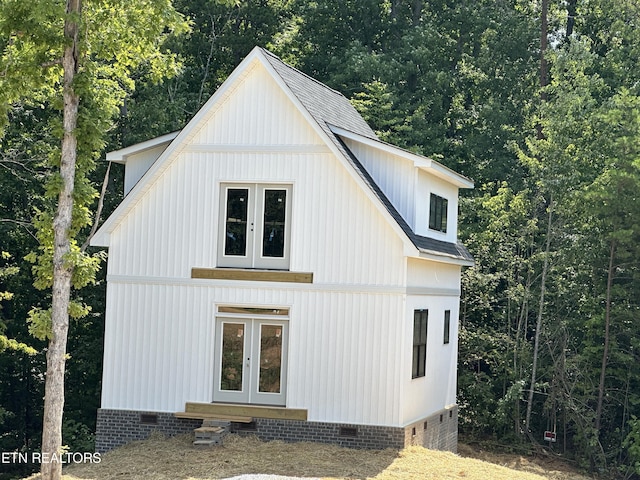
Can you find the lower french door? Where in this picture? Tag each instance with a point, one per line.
(251, 359)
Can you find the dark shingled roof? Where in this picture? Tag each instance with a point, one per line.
(325, 105)
(329, 107)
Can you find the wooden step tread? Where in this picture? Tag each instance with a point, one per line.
(207, 416)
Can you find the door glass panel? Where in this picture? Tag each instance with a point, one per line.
(274, 220)
(270, 358)
(236, 222)
(232, 356)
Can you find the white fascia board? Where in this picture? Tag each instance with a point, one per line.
(101, 238)
(419, 161)
(120, 156)
(444, 258)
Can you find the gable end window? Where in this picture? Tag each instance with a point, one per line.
(255, 226)
(438, 213)
(447, 326)
(420, 321)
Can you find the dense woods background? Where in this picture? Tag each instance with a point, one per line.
(538, 101)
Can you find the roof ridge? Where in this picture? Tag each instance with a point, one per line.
(309, 77)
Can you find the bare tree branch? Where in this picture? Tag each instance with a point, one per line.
(96, 220)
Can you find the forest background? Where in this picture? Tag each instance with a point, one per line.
(538, 101)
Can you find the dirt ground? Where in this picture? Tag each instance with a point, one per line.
(161, 458)
(548, 465)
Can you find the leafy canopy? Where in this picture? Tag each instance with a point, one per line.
(117, 40)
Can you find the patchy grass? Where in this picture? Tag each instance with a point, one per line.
(176, 458)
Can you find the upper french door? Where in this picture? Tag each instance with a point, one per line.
(255, 227)
(251, 360)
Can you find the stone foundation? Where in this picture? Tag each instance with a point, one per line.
(438, 431)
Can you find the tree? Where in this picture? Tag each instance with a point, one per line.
(81, 59)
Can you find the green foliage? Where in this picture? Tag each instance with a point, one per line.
(375, 104)
(118, 38)
(632, 443)
(566, 155)
(484, 356)
(7, 270)
(40, 323)
(77, 436)
(454, 80)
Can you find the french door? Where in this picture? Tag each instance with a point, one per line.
(251, 360)
(256, 230)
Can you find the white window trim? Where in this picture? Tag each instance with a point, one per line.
(255, 214)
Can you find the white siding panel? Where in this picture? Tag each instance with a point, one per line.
(394, 175)
(345, 359)
(344, 350)
(337, 232)
(257, 113)
(425, 396)
(137, 164)
(433, 275)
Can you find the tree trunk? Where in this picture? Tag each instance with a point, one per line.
(51, 468)
(536, 343)
(571, 17)
(517, 365)
(416, 11)
(607, 323)
(544, 68)
(544, 43)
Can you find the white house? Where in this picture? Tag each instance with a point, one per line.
(276, 264)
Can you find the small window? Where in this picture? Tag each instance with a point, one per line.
(438, 213)
(420, 320)
(447, 325)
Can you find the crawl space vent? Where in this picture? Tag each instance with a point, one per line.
(348, 432)
(148, 419)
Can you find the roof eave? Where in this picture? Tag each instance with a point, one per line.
(120, 156)
(418, 161)
(444, 258)
(178, 140)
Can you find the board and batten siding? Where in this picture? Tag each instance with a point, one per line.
(257, 135)
(437, 389)
(395, 176)
(346, 328)
(433, 286)
(137, 164)
(256, 112)
(174, 226)
(345, 360)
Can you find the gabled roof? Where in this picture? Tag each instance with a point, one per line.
(329, 112)
(336, 116)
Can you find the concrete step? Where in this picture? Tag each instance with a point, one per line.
(207, 443)
(210, 430)
(211, 433)
(214, 422)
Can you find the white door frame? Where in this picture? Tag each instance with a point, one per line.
(243, 383)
